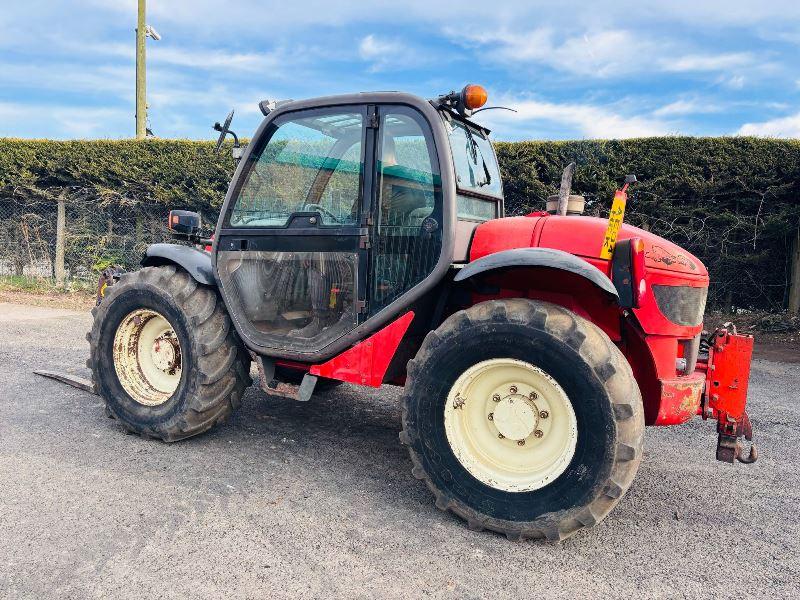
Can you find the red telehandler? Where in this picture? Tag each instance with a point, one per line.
(363, 239)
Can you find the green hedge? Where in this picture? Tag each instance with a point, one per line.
(121, 173)
(731, 201)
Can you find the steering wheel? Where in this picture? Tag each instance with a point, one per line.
(223, 129)
(321, 209)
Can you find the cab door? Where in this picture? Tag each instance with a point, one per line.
(292, 251)
(408, 207)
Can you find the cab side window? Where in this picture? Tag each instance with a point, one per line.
(309, 164)
(409, 211)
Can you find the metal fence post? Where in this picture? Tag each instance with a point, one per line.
(794, 281)
(60, 226)
(19, 249)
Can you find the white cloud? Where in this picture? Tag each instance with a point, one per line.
(212, 59)
(216, 55)
(270, 16)
(735, 82)
(690, 106)
(594, 54)
(597, 53)
(11, 111)
(171, 53)
(374, 48)
(217, 97)
(61, 121)
(96, 79)
(88, 122)
(385, 53)
(679, 107)
(707, 62)
(534, 117)
(786, 127)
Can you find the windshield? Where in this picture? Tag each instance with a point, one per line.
(474, 159)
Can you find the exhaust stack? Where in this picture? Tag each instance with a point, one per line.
(574, 205)
(564, 203)
(566, 188)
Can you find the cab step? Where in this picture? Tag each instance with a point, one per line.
(274, 387)
(290, 391)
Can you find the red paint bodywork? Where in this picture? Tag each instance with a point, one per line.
(649, 340)
(680, 398)
(366, 362)
(727, 374)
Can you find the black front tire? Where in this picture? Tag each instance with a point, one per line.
(215, 365)
(591, 370)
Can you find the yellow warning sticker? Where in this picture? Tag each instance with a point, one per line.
(615, 219)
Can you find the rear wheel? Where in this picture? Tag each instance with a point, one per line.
(147, 357)
(523, 418)
(164, 355)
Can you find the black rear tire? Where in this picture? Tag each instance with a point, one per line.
(595, 376)
(215, 365)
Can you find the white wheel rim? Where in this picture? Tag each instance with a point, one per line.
(510, 425)
(147, 357)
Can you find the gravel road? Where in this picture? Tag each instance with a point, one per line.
(317, 500)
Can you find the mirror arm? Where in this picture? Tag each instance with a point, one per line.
(193, 238)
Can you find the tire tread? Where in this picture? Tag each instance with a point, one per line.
(222, 368)
(611, 368)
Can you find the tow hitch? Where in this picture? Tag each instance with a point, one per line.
(728, 445)
(725, 398)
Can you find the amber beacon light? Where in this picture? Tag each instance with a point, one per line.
(474, 96)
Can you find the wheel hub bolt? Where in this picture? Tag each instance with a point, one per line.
(538, 433)
(491, 416)
(513, 389)
(501, 436)
(496, 398)
(520, 442)
(534, 396)
(544, 414)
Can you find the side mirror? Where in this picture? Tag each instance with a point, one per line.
(184, 222)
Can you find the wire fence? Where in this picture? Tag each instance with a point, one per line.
(94, 237)
(97, 235)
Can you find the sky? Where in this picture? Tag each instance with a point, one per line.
(572, 70)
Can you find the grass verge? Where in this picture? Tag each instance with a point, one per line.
(43, 292)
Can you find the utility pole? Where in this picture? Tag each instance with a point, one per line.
(141, 73)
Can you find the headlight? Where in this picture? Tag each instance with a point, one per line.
(681, 304)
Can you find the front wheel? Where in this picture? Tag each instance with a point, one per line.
(523, 418)
(164, 355)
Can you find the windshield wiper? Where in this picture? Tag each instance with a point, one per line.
(488, 180)
(473, 151)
